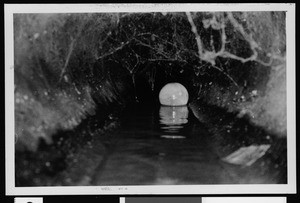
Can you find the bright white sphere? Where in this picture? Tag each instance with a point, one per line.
(173, 94)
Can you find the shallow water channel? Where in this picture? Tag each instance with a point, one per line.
(160, 145)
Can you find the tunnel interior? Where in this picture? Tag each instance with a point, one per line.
(78, 75)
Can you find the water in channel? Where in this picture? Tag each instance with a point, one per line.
(162, 145)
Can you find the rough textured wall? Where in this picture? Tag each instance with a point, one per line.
(261, 91)
(54, 60)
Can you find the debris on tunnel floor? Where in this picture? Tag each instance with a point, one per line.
(246, 155)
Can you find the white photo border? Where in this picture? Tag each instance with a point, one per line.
(10, 9)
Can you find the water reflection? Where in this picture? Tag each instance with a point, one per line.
(172, 119)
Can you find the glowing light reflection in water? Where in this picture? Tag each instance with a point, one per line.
(172, 119)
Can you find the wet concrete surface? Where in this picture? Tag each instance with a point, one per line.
(152, 145)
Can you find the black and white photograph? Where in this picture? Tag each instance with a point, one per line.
(150, 98)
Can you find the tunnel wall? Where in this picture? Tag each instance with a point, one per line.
(263, 106)
(260, 93)
(57, 81)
